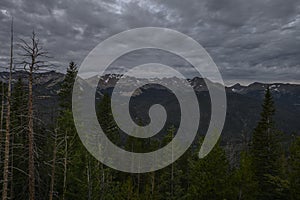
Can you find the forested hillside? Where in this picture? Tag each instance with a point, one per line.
(42, 157)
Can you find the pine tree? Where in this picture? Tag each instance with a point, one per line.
(294, 174)
(265, 152)
(171, 178)
(66, 90)
(106, 120)
(20, 146)
(66, 129)
(209, 177)
(244, 178)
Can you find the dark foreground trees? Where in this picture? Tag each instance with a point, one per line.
(65, 170)
(266, 153)
(210, 177)
(50, 162)
(294, 174)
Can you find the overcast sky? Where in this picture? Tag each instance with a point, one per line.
(257, 40)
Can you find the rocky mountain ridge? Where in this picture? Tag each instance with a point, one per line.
(244, 102)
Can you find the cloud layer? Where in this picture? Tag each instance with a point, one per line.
(250, 41)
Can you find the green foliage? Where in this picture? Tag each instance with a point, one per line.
(209, 177)
(66, 90)
(294, 174)
(245, 178)
(19, 151)
(172, 177)
(266, 153)
(261, 172)
(106, 119)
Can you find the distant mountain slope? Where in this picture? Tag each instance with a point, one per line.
(244, 102)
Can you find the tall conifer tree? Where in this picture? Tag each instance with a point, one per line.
(266, 151)
(295, 169)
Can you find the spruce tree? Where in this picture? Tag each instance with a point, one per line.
(209, 177)
(265, 151)
(66, 90)
(294, 174)
(171, 177)
(20, 148)
(246, 186)
(68, 151)
(106, 120)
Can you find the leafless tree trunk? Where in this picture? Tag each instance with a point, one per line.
(88, 171)
(53, 166)
(1, 118)
(152, 183)
(65, 167)
(32, 63)
(7, 135)
(240, 194)
(30, 137)
(172, 170)
(102, 180)
(12, 168)
(138, 186)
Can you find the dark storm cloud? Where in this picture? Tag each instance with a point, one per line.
(250, 41)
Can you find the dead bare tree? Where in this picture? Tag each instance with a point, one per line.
(53, 166)
(65, 167)
(32, 61)
(7, 134)
(1, 118)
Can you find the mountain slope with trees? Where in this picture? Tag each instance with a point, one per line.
(42, 157)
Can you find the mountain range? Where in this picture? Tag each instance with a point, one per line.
(243, 102)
